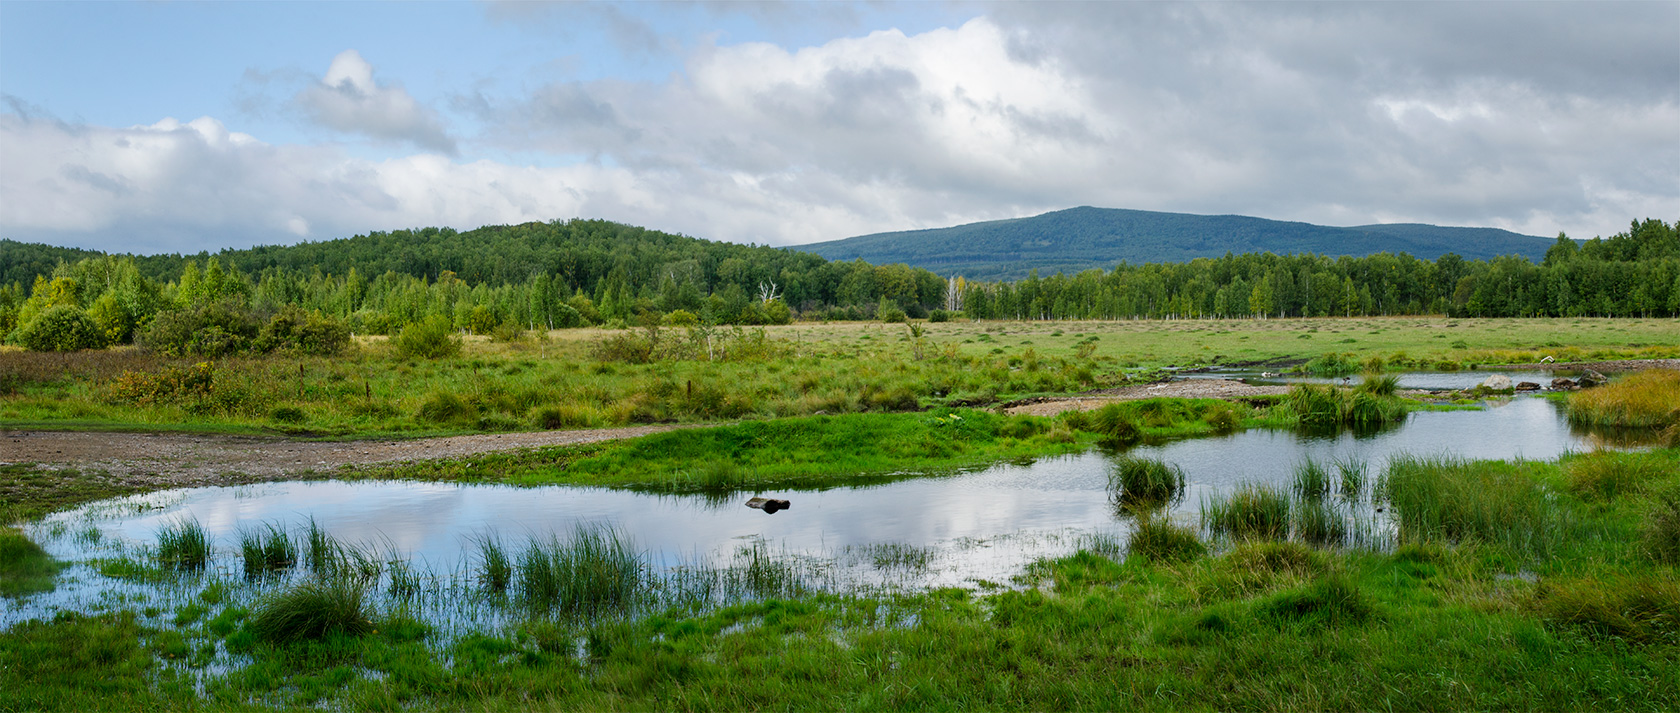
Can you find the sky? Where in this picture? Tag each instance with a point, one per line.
(184, 126)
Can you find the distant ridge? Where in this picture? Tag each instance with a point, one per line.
(1082, 238)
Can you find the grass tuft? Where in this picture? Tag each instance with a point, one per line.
(1145, 482)
(314, 609)
(495, 569)
(1115, 427)
(1252, 512)
(1452, 500)
(1646, 399)
(1332, 600)
(25, 568)
(1662, 529)
(1312, 481)
(265, 552)
(183, 546)
(1157, 539)
(596, 570)
(1640, 610)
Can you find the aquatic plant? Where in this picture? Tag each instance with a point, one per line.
(183, 546)
(1142, 482)
(597, 569)
(1321, 405)
(320, 550)
(24, 567)
(495, 570)
(1379, 384)
(1157, 539)
(405, 580)
(1353, 476)
(1645, 399)
(1251, 512)
(1320, 523)
(1311, 482)
(263, 552)
(1453, 500)
(762, 574)
(1330, 364)
(898, 555)
(1115, 428)
(313, 609)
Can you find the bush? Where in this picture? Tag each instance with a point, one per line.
(313, 333)
(210, 330)
(681, 318)
(430, 339)
(507, 332)
(1157, 539)
(62, 328)
(168, 385)
(889, 312)
(315, 609)
(940, 315)
(565, 416)
(1380, 384)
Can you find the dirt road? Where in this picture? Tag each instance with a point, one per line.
(183, 459)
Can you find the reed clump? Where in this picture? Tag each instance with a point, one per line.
(1331, 600)
(313, 609)
(183, 546)
(1311, 481)
(1452, 500)
(1252, 512)
(24, 567)
(1646, 399)
(597, 569)
(1158, 539)
(1606, 475)
(1115, 427)
(495, 568)
(1325, 405)
(265, 552)
(1144, 482)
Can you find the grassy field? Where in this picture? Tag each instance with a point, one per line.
(578, 378)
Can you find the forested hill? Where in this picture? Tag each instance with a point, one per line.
(1082, 238)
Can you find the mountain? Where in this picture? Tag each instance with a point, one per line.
(1082, 238)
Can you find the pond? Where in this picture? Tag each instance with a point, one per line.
(975, 528)
(1419, 380)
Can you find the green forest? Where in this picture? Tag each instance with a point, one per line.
(312, 296)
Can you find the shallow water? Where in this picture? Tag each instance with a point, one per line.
(985, 525)
(1420, 380)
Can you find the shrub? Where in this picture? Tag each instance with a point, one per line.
(62, 328)
(315, 609)
(1252, 512)
(939, 315)
(211, 330)
(1145, 481)
(293, 329)
(429, 339)
(507, 332)
(168, 385)
(1157, 539)
(889, 312)
(681, 318)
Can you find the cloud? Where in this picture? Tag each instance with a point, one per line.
(1532, 117)
(348, 99)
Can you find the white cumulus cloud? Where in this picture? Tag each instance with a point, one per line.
(348, 99)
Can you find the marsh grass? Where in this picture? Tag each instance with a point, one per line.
(267, 551)
(495, 569)
(1311, 481)
(1320, 523)
(1325, 405)
(1661, 532)
(1158, 539)
(1636, 609)
(405, 580)
(1608, 475)
(1645, 399)
(183, 546)
(316, 608)
(1115, 427)
(764, 575)
(320, 550)
(1331, 600)
(1352, 474)
(25, 568)
(1379, 384)
(596, 570)
(1140, 483)
(1251, 512)
(1453, 500)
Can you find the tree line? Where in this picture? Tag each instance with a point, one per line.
(585, 272)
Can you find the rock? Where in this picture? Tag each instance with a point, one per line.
(1563, 385)
(769, 505)
(1591, 378)
(1527, 386)
(1497, 382)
